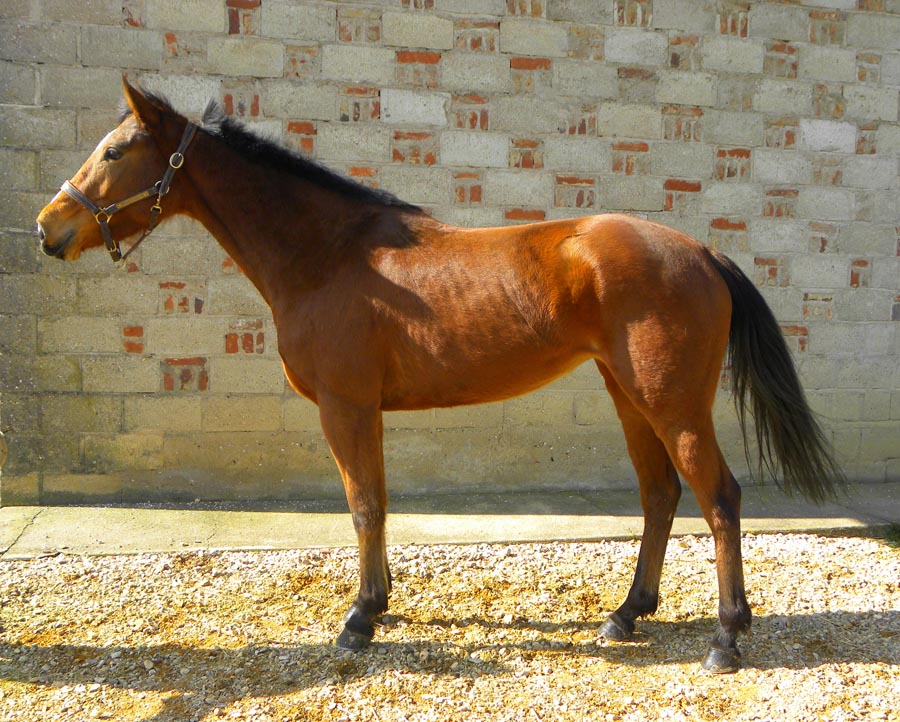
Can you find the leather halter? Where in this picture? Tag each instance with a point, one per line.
(158, 189)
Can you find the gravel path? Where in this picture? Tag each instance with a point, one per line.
(482, 632)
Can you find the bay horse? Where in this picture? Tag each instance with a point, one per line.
(379, 306)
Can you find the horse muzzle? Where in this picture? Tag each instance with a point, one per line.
(54, 251)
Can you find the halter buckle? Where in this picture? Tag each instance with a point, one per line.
(176, 160)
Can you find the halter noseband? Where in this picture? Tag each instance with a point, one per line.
(158, 189)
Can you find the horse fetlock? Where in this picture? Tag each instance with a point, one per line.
(735, 618)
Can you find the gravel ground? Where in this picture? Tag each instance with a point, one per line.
(481, 632)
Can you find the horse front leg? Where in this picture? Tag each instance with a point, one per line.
(355, 436)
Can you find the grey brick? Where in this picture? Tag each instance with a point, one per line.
(114, 47)
(524, 36)
(77, 87)
(245, 56)
(18, 169)
(514, 188)
(685, 88)
(525, 114)
(470, 7)
(426, 186)
(629, 121)
(784, 97)
(689, 16)
(478, 150)
(417, 31)
(585, 79)
(829, 204)
(779, 22)
(732, 55)
(873, 30)
(580, 11)
(190, 94)
(414, 107)
(298, 21)
(824, 62)
(632, 46)
(827, 135)
(356, 142)
(863, 171)
(289, 99)
(39, 43)
(733, 128)
(573, 153)
(631, 193)
(93, 12)
(18, 83)
(199, 16)
(682, 160)
(776, 166)
(478, 72)
(358, 64)
(731, 199)
(868, 103)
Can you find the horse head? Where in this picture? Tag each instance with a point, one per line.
(121, 184)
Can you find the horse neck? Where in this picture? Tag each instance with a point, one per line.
(278, 228)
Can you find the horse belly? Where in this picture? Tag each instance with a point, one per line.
(458, 377)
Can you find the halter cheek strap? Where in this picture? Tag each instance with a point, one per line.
(157, 190)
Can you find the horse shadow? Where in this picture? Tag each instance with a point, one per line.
(259, 671)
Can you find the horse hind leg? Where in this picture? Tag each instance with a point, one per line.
(660, 491)
(696, 455)
(681, 423)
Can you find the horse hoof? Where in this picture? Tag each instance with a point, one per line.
(615, 631)
(722, 661)
(353, 641)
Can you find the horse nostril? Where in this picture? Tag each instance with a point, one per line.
(40, 231)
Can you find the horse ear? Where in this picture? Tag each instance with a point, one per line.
(143, 108)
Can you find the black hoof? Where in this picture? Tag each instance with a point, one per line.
(722, 661)
(353, 641)
(615, 630)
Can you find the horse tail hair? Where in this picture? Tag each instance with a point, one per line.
(764, 381)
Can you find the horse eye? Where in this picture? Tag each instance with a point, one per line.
(112, 154)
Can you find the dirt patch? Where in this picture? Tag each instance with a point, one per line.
(482, 632)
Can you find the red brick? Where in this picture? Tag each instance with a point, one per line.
(526, 8)
(526, 153)
(684, 186)
(185, 374)
(418, 56)
(635, 146)
(575, 192)
(524, 214)
(798, 334)
(528, 63)
(726, 224)
(414, 147)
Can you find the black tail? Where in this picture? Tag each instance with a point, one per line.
(787, 433)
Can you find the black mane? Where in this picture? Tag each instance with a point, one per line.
(265, 151)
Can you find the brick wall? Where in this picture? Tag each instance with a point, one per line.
(766, 129)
